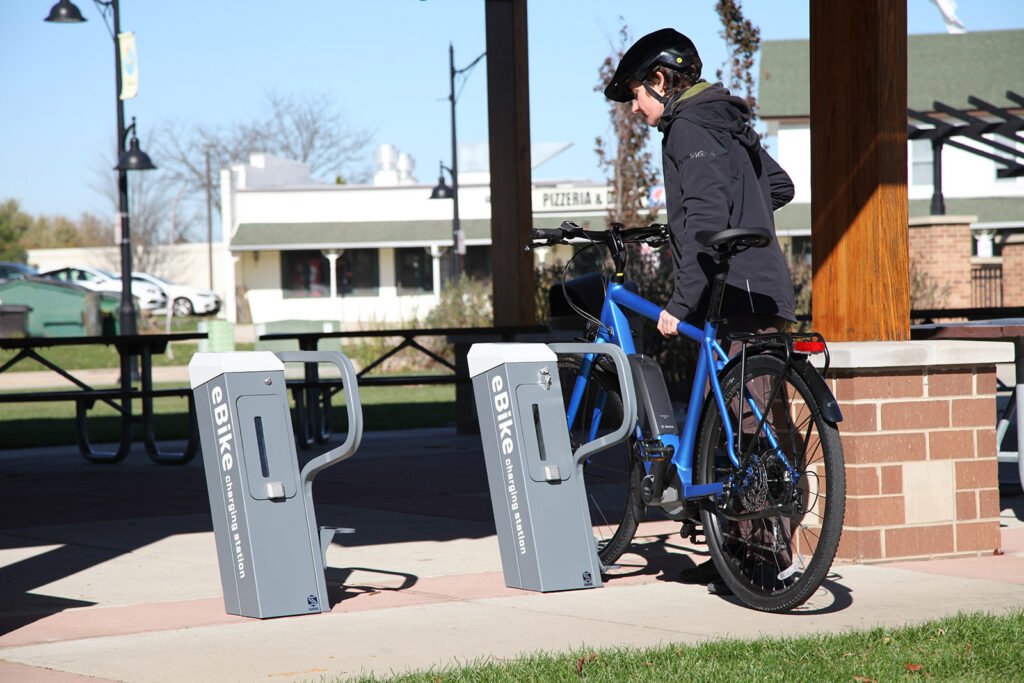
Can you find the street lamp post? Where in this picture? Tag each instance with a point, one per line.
(442, 191)
(131, 159)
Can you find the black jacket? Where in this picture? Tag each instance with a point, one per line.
(718, 176)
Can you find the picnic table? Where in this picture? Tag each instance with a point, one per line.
(312, 394)
(141, 346)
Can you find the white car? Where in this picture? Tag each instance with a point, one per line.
(184, 300)
(149, 296)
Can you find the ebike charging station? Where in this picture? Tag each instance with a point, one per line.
(270, 549)
(545, 535)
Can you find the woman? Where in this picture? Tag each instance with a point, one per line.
(717, 176)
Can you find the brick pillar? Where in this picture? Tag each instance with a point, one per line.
(1013, 273)
(941, 247)
(919, 441)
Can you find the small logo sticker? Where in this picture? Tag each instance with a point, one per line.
(588, 579)
(313, 602)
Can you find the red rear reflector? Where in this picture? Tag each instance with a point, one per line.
(809, 346)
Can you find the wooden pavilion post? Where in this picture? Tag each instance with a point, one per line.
(508, 106)
(859, 212)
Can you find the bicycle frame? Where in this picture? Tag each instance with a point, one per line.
(712, 358)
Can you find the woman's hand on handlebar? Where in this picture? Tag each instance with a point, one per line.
(668, 324)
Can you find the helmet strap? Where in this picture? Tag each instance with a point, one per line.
(655, 94)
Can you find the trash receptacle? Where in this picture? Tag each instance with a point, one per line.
(270, 549)
(545, 535)
(14, 320)
(58, 309)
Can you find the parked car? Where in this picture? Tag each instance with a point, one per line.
(15, 271)
(183, 299)
(149, 296)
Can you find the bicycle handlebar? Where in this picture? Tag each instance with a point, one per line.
(571, 233)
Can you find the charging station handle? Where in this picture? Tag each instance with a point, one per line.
(355, 410)
(628, 393)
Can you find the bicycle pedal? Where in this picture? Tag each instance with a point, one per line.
(652, 450)
(693, 532)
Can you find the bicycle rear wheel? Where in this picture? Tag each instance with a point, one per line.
(772, 539)
(612, 476)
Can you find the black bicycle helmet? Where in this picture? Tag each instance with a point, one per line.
(666, 47)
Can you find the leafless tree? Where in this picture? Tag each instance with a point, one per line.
(309, 129)
(743, 40)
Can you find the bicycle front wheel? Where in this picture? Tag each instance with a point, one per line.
(612, 476)
(775, 530)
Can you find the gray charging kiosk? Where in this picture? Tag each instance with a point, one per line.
(540, 506)
(270, 549)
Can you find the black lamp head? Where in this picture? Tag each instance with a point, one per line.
(134, 159)
(441, 190)
(65, 12)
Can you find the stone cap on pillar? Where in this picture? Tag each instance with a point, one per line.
(898, 354)
(925, 221)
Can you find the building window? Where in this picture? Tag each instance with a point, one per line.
(359, 272)
(305, 274)
(476, 263)
(414, 270)
(920, 162)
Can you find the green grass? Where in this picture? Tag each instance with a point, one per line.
(961, 648)
(25, 425)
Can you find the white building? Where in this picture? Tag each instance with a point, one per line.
(362, 254)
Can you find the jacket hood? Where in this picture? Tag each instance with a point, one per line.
(711, 106)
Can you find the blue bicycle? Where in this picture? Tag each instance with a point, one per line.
(758, 464)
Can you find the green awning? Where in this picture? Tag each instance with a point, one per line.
(797, 217)
(294, 236)
(290, 236)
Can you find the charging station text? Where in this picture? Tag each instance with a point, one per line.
(504, 422)
(225, 435)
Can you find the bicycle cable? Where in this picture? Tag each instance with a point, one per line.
(565, 292)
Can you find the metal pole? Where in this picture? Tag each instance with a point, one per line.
(456, 257)
(209, 217)
(938, 207)
(127, 310)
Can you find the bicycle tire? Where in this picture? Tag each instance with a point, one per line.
(762, 560)
(611, 477)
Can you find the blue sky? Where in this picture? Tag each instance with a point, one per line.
(384, 63)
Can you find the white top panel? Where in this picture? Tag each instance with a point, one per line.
(483, 357)
(206, 366)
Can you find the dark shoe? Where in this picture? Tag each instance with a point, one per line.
(703, 573)
(718, 587)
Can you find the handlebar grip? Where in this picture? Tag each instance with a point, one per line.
(547, 235)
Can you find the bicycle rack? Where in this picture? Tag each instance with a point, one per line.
(536, 484)
(270, 549)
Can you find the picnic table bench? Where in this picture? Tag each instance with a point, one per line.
(129, 347)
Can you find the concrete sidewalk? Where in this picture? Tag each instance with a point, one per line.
(110, 573)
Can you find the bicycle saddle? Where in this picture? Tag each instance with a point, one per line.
(733, 239)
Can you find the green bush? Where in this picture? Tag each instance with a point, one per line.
(466, 302)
